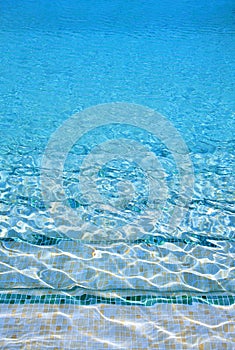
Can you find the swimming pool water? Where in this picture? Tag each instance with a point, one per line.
(123, 59)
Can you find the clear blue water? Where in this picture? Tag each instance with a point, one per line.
(59, 58)
(140, 208)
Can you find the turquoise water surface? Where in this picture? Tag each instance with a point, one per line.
(60, 58)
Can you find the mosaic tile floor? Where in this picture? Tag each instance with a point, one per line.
(171, 267)
(43, 308)
(102, 326)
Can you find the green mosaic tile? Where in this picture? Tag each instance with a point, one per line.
(193, 239)
(87, 299)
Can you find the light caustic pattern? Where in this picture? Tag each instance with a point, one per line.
(105, 327)
(118, 209)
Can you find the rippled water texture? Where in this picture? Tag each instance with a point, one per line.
(56, 60)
